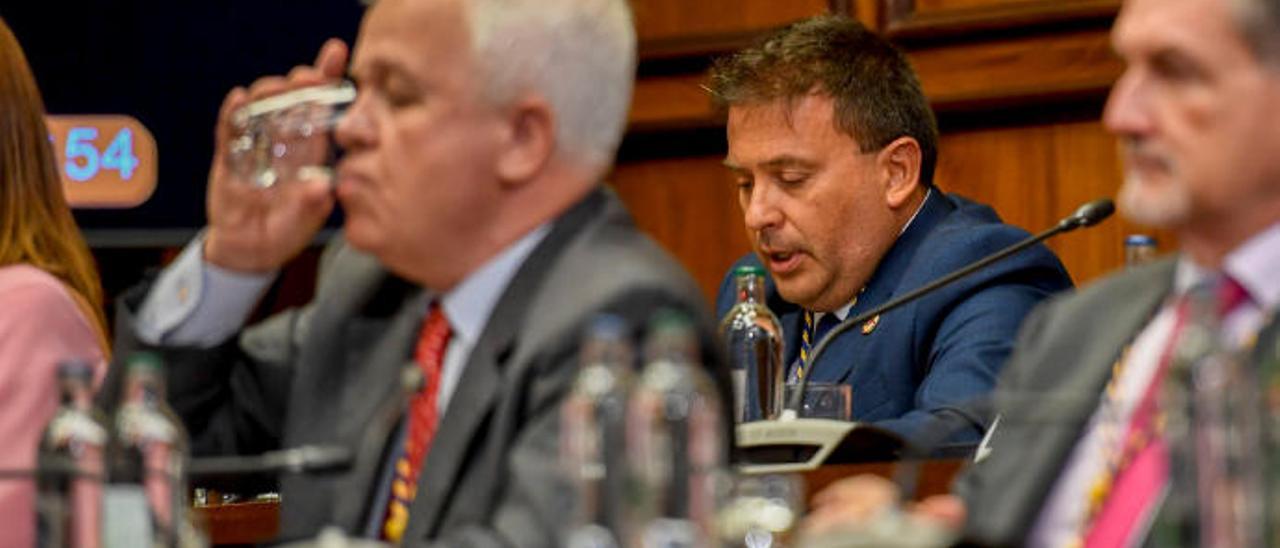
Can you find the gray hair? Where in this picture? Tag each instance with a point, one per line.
(578, 54)
(1259, 22)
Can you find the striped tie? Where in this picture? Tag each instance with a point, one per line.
(810, 336)
(423, 417)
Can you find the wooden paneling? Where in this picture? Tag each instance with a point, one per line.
(1016, 71)
(1034, 175)
(689, 206)
(671, 102)
(658, 20)
(971, 19)
(1020, 70)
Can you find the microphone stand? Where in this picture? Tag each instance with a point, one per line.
(791, 443)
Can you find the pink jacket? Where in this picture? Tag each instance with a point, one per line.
(40, 325)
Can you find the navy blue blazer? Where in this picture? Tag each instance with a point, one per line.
(925, 360)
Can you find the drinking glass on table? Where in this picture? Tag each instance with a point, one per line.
(824, 400)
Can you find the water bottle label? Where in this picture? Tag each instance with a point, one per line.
(126, 518)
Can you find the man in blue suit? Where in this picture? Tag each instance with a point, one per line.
(833, 146)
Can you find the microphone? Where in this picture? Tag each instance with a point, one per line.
(306, 459)
(311, 459)
(1088, 214)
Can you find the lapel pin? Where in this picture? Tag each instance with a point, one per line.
(870, 325)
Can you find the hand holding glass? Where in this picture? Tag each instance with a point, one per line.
(288, 136)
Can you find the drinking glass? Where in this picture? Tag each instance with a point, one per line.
(288, 136)
(824, 400)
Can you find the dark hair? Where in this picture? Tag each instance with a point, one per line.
(877, 95)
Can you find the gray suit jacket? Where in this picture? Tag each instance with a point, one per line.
(1047, 393)
(1050, 389)
(328, 374)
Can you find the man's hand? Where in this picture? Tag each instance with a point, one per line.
(856, 501)
(253, 229)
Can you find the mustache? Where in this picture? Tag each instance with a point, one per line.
(769, 241)
(1144, 152)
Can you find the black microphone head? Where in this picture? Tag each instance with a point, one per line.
(1093, 213)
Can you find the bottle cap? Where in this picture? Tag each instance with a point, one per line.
(669, 319)
(1139, 240)
(75, 368)
(748, 270)
(145, 362)
(607, 326)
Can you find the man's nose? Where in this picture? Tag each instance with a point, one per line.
(761, 211)
(1128, 110)
(355, 128)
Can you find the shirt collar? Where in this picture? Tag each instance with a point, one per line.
(1255, 264)
(469, 305)
(928, 192)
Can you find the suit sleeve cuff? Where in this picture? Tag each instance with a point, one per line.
(194, 303)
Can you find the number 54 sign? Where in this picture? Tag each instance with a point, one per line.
(106, 161)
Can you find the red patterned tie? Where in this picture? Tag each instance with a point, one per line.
(423, 417)
(1145, 469)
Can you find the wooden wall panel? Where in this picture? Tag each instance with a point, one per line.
(1019, 70)
(932, 20)
(690, 207)
(1034, 175)
(685, 19)
(670, 102)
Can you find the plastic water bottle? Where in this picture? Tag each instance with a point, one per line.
(753, 337)
(675, 441)
(592, 435)
(72, 464)
(1139, 249)
(148, 460)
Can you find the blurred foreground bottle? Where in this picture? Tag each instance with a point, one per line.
(147, 494)
(592, 435)
(676, 443)
(1139, 249)
(1215, 428)
(753, 337)
(72, 464)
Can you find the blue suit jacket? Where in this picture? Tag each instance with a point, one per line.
(923, 361)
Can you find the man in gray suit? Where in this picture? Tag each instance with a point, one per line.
(471, 188)
(1194, 111)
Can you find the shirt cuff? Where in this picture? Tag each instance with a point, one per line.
(195, 303)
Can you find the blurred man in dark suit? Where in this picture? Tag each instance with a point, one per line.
(833, 146)
(1194, 112)
(478, 244)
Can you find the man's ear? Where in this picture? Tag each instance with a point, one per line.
(528, 141)
(899, 165)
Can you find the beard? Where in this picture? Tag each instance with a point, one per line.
(1157, 206)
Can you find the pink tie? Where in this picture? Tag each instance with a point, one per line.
(1134, 494)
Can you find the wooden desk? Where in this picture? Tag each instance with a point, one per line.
(239, 522)
(257, 522)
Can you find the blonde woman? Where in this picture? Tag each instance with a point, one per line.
(50, 295)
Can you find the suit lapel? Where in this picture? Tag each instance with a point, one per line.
(882, 286)
(464, 421)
